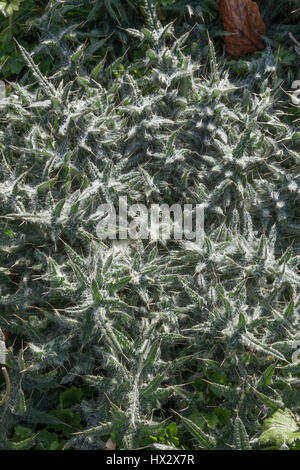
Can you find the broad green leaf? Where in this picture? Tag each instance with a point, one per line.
(280, 429)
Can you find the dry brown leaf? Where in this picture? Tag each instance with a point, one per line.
(243, 20)
(110, 445)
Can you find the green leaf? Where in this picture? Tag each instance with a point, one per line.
(48, 441)
(78, 54)
(26, 444)
(70, 421)
(280, 429)
(152, 386)
(270, 402)
(266, 378)
(240, 436)
(10, 6)
(204, 440)
(70, 396)
(289, 311)
(21, 433)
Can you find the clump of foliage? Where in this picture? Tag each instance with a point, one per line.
(149, 328)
